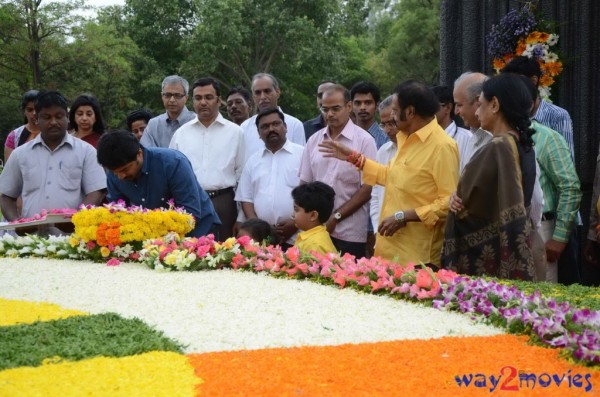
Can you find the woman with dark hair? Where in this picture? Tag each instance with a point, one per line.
(86, 119)
(490, 234)
(26, 132)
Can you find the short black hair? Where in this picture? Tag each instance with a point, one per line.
(365, 87)
(315, 196)
(204, 81)
(46, 99)
(87, 100)
(29, 96)
(243, 91)
(117, 148)
(260, 231)
(523, 65)
(419, 95)
(138, 114)
(268, 111)
(443, 93)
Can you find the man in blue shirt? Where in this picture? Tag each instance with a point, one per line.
(150, 177)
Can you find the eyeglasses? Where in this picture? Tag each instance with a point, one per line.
(333, 109)
(390, 124)
(169, 95)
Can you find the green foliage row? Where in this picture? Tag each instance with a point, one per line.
(122, 53)
(77, 338)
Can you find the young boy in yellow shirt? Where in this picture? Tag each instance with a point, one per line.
(313, 204)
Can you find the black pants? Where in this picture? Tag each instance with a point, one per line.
(356, 249)
(569, 270)
(227, 210)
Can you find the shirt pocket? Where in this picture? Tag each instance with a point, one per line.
(32, 180)
(69, 178)
(291, 177)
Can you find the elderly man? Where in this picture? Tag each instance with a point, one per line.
(445, 119)
(266, 93)
(215, 148)
(265, 188)
(55, 170)
(318, 123)
(161, 128)
(349, 222)
(151, 177)
(239, 105)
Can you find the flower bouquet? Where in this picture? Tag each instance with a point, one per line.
(115, 230)
(519, 34)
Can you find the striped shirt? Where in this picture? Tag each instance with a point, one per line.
(378, 134)
(559, 180)
(558, 119)
(463, 140)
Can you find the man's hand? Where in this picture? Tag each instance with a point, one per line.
(331, 224)
(456, 204)
(334, 149)
(590, 252)
(554, 249)
(285, 230)
(389, 226)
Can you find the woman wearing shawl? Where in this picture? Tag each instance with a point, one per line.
(490, 234)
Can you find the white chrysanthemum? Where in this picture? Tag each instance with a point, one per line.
(228, 310)
(551, 57)
(552, 39)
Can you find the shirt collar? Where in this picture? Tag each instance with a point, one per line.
(219, 120)
(184, 112)
(67, 139)
(427, 130)
(286, 146)
(348, 131)
(307, 233)
(540, 110)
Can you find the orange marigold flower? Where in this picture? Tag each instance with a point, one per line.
(498, 63)
(546, 81)
(553, 68)
(521, 46)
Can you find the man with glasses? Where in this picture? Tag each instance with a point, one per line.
(161, 128)
(265, 93)
(384, 155)
(318, 123)
(215, 148)
(349, 221)
(445, 118)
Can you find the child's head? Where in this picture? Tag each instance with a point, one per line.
(258, 230)
(313, 204)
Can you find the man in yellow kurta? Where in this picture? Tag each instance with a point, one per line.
(418, 181)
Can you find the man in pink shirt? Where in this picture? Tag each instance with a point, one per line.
(348, 223)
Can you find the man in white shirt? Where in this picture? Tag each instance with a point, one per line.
(265, 93)
(445, 120)
(215, 147)
(270, 175)
(160, 129)
(384, 155)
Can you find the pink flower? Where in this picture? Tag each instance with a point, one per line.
(244, 241)
(293, 254)
(113, 262)
(135, 256)
(90, 245)
(445, 276)
(424, 279)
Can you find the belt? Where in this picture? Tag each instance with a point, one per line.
(548, 216)
(216, 193)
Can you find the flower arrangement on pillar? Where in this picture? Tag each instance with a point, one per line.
(519, 33)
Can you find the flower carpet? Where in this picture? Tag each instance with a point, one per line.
(128, 307)
(228, 332)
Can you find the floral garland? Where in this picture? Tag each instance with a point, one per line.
(518, 34)
(114, 227)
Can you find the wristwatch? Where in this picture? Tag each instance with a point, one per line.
(338, 215)
(399, 216)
